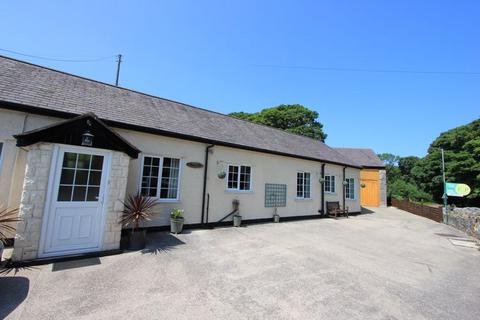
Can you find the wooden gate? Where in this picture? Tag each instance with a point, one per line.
(370, 193)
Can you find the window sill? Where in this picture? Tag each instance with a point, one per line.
(165, 200)
(303, 199)
(348, 199)
(331, 193)
(238, 191)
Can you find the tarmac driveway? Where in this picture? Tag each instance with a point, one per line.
(385, 265)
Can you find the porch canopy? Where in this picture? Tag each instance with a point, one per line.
(70, 132)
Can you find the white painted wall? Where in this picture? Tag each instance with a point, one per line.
(12, 170)
(266, 168)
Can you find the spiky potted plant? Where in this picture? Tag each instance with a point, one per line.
(7, 218)
(137, 209)
(176, 221)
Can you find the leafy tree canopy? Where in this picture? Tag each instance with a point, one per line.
(293, 118)
(421, 178)
(462, 161)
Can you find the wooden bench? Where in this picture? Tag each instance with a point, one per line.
(333, 209)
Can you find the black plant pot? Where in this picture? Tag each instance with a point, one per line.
(137, 239)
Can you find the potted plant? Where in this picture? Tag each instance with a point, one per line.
(7, 218)
(276, 217)
(237, 220)
(138, 209)
(176, 221)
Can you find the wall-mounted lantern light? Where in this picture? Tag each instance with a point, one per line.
(87, 139)
(321, 180)
(345, 183)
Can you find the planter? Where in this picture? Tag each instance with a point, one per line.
(237, 221)
(137, 240)
(276, 218)
(176, 225)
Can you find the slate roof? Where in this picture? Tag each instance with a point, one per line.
(44, 89)
(364, 157)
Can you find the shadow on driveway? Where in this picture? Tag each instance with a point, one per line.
(161, 242)
(13, 291)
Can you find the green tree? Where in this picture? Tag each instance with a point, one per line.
(291, 118)
(401, 189)
(462, 163)
(405, 165)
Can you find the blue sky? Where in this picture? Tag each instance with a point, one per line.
(213, 54)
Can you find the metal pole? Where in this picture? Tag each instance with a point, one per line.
(119, 61)
(445, 198)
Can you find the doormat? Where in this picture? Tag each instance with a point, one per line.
(463, 242)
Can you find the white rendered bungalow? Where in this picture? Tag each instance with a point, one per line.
(72, 148)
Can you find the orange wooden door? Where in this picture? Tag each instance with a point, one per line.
(370, 193)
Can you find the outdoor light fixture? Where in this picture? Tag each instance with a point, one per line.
(87, 137)
(345, 183)
(321, 180)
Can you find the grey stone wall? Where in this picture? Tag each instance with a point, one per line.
(32, 202)
(33, 199)
(116, 195)
(383, 187)
(466, 219)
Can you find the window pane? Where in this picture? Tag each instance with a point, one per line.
(95, 178)
(81, 177)
(83, 161)
(67, 176)
(64, 193)
(69, 160)
(97, 162)
(166, 162)
(92, 193)
(79, 193)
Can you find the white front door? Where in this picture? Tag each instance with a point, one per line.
(74, 214)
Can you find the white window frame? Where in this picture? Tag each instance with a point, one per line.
(159, 182)
(347, 186)
(330, 184)
(303, 191)
(238, 178)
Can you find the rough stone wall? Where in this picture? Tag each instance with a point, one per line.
(116, 195)
(383, 187)
(32, 202)
(466, 219)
